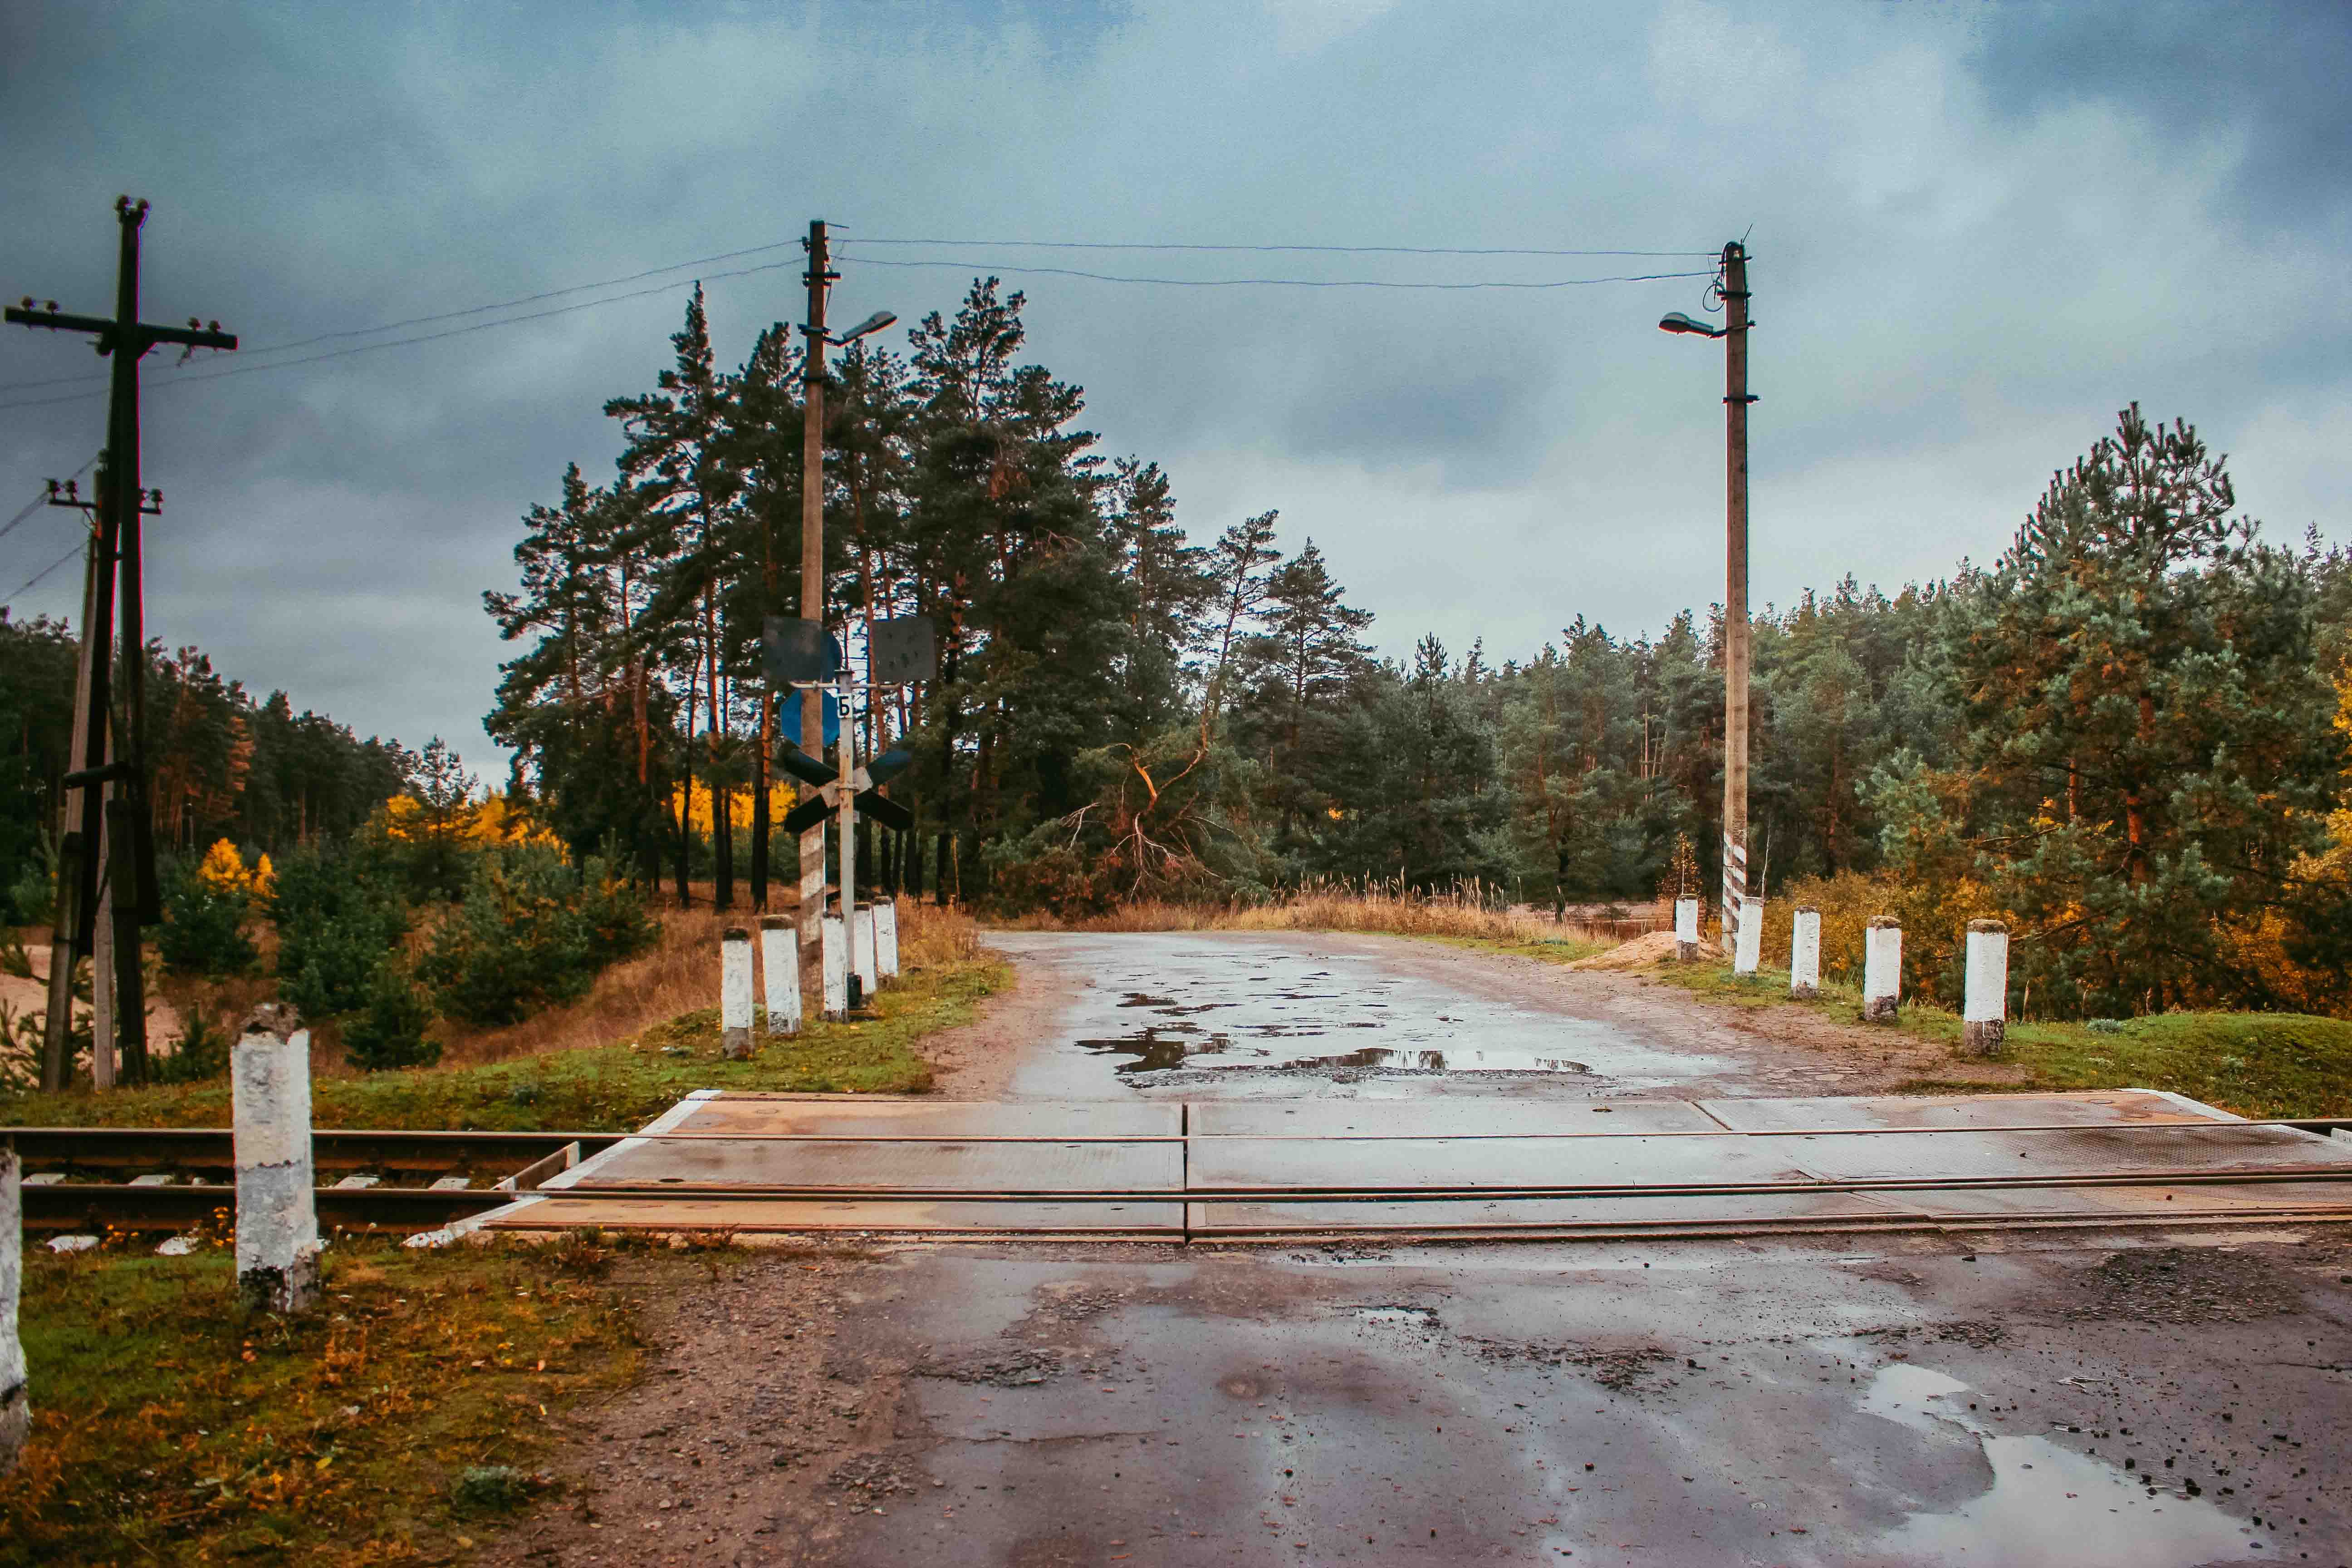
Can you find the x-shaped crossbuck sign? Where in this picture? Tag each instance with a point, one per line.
(826, 781)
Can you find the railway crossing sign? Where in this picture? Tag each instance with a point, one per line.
(825, 794)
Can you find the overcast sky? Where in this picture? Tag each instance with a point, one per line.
(1980, 229)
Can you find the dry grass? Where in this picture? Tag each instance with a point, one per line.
(679, 974)
(1468, 914)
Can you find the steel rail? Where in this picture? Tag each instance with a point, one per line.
(816, 1192)
(94, 1205)
(405, 1150)
(331, 1148)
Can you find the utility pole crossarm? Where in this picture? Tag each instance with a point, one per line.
(145, 333)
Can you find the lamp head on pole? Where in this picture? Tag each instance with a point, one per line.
(1676, 321)
(873, 323)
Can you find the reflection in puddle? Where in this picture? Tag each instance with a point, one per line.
(2047, 1505)
(1159, 1049)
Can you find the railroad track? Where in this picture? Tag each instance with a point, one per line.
(171, 1179)
(175, 1179)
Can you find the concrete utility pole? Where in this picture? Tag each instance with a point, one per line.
(1735, 592)
(812, 564)
(114, 806)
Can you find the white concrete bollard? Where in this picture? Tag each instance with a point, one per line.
(1747, 951)
(862, 950)
(1881, 969)
(16, 1408)
(735, 993)
(835, 954)
(1984, 1013)
(780, 969)
(1685, 930)
(886, 939)
(277, 1218)
(1805, 953)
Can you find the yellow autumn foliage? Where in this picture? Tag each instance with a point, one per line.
(781, 797)
(494, 819)
(225, 869)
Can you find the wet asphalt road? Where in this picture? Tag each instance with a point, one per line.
(1694, 1403)
(2143, 1399)
(1227, 1014)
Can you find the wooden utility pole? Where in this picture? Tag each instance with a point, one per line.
(812, 848)
(1735, 592)
(114, 787)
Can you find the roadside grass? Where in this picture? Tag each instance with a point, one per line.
(2253, 1064)
(616, 1087)
(1466, 915)
(396, 1423)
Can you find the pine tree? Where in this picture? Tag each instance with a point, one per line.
(2148, 738)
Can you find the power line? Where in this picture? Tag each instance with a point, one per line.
(40, 500)
(450, 315)
(42, 575)
(401, 343)
(253, 369)
(1270, 282)
(1330, 249)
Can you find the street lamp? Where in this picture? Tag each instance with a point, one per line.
(1733, 288)
(812, 847)
(873, 323)
(1676, 321)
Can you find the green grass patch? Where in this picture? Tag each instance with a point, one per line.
(604, 1088)
(1546, 950)
(2254, 1064)
(402, 1420)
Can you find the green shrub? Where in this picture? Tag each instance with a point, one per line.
(203, 924)
(531, 933)
(388, 1031)
(490, 1489)
(203, 1053)
(337, 917)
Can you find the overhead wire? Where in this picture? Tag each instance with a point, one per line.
(853, 239)
(849, 241)
(42, 499)
(1018, 270)
(395, 342)
(38, 578)
(449, 315)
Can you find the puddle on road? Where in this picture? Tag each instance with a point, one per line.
(1176, 1046)
(2048, 1507)
(1178, 1012)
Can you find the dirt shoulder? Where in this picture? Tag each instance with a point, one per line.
(976, 1061)
(756, 1434)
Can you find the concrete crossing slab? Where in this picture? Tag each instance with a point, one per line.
(1445, 1118)
(1112, 1221)
(1266, 1169)
(1002, 1167)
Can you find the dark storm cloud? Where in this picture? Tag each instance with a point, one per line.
(2269, 76)
(1980, 229)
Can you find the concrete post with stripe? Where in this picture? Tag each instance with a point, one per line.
(735, 993)
(835, 954)
(1749, 951)
(886, 938)
(1805, 953)
(1734, 892)
(277, 1217)
(1984, 1013)
(780, 973)
(862, 957)
(16, 1408)
(1881, 969)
